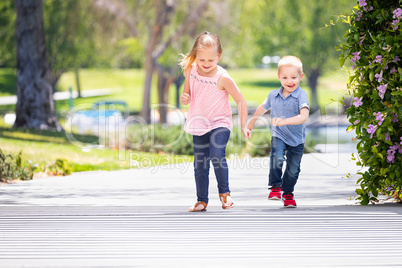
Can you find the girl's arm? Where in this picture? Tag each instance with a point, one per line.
(260, 111)
(185, 97)
(295, 120)
(227, 83)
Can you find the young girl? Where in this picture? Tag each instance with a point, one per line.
(207, 88)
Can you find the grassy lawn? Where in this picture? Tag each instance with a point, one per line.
(44, 148)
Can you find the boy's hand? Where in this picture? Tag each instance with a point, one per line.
(250, 126)
(246, 133)
(185, 98)
(277, 122)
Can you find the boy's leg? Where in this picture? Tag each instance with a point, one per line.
(201, 166)
(293, 160)
(278, 148)
(218, 141)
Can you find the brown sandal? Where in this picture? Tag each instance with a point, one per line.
(226, 200)
(195, 208)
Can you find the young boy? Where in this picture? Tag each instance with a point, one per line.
(289, 111)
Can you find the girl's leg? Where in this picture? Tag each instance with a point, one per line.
(218, 141)
(278, 148)
(293, 160)
(201, 166)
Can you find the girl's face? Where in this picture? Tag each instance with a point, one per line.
(290, 78)
(207, 60)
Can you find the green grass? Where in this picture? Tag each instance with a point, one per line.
(45, 147)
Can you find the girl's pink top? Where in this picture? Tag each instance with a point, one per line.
(209, 106)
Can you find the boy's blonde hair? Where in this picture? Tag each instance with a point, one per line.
(291, 61)
(203, 41)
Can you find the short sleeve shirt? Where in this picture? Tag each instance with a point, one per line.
(290, 106)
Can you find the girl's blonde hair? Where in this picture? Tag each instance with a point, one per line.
(291, 61)
(203, 41)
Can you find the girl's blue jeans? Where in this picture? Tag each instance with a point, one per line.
(211, 147)
(293, 159)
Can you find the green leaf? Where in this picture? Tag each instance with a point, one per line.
(371, 75)
(389, 39)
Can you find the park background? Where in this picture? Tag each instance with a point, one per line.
(128, 51)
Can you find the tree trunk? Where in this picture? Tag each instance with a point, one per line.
(35, 105)
(166, 77)
(77, 81)
(178, 82)
(313, 82)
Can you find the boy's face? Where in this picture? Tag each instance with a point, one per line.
(207, 60)
(290, 78)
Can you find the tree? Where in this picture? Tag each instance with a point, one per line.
(69, 36)
(291, 27)
(35, 105)
(374, 49)
(159, 35)
(7, 34)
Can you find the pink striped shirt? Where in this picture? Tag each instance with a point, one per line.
(209, 106)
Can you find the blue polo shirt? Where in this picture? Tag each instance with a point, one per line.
(290, 106)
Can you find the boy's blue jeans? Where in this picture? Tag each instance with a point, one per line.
(293, 158)
(211, 147)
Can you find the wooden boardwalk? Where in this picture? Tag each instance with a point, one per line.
(345, 236)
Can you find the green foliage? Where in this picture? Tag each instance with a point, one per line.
(8, 48)
(59, 168)
(11, 168)
(259, 144)
(374, 47)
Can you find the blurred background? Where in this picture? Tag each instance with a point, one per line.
(127, 52)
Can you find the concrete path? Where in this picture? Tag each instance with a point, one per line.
(138, 218)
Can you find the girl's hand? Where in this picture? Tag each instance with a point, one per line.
(246, 133)
(185, 98)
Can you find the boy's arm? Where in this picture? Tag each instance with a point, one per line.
(260, 111)
(185, 97)
(295, 120)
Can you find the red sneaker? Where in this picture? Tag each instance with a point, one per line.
(288, 201)
(275, 194)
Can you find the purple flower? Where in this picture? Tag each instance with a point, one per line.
(359, 16)
(401, 141)
(381, 90)
(379, 118)
(356, 57)
(391, 152)
(393, 70)
(362, 3)
(358, 101)
(396, 59)
(379, 76)
(397, 13)
(371, 130)
(378, 59)
(395, 118)
(387, 138)
(390, 157)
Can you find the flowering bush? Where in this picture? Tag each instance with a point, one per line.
(373, 48)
